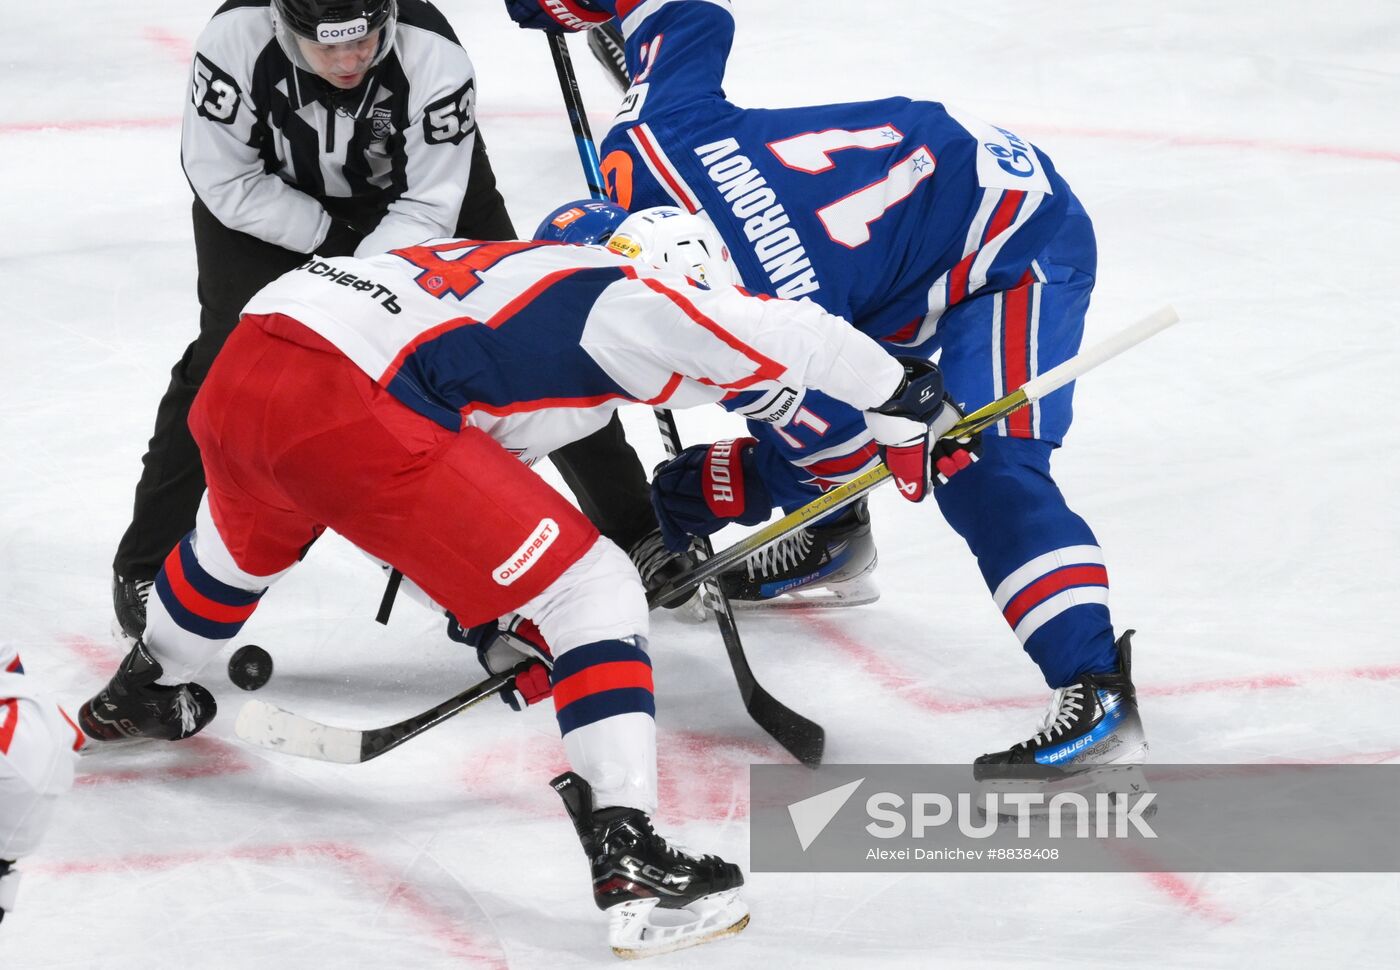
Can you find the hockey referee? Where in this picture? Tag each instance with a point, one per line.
(337, 128)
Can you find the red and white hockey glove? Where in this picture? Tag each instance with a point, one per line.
(504, 644)
(908, 427)
(570, 15)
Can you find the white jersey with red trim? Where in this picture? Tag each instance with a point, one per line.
(538, 343)
(38, 749)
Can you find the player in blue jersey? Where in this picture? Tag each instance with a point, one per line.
(935, 233)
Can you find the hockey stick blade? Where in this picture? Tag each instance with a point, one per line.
(803, 738)
(269, 726)
(979, 420)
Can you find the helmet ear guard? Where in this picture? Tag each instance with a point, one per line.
(673, 239)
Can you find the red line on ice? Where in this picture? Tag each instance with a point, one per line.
(1040, 131)
(211, 756)
(73, 125)
(893, 677)
(99, 658)
(179, 48)
(367, 871)
(701, 776)
(1213, 141)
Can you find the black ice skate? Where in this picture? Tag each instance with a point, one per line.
(129, 601)
(657, 898)
(133, 707)
(658, 565)
(1092, 724)
(825, 565)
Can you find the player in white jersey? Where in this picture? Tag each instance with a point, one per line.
(398, 400)
(38, 748)
(331, 127)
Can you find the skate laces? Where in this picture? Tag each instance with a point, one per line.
(184, 706)
(642, 827)
(139, 589)
(1065, 705)
(784, 554)
(648, 555)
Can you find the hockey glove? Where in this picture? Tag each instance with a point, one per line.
(504, 643)
(569, 15)
(907, 429)
(706, 486)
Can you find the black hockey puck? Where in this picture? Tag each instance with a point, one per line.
(250, 667)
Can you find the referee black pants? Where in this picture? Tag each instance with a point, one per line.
(602, 470)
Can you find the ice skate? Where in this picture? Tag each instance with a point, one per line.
(1093, 726)
(133, 707)
(657, 897)
(658, 565)
(826, 565)
(129, 601)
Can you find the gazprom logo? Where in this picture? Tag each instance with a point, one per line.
(1013, 157)
(340, 33)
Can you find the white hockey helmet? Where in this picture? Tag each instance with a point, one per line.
(673, 239)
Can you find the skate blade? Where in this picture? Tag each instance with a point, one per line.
(1120, 778)
(852, 592)
(638, 929)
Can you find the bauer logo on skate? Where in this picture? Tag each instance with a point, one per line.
(528, 554)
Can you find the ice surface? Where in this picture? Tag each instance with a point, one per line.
(1240, 161)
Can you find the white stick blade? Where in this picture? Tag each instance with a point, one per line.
(1106, 349)
(268, 726)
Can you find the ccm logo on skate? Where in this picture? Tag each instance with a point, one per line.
(529, 553)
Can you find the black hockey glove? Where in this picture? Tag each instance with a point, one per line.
(908, 426)
(503, 644)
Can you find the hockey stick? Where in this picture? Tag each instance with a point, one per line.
(984, 417)
(268, 726)
(573, 104)
(804, 739)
